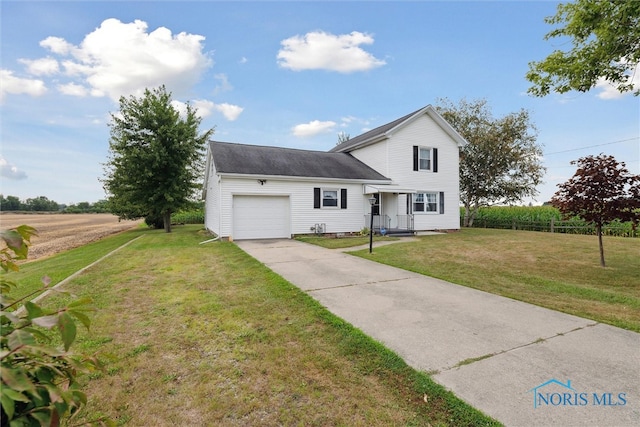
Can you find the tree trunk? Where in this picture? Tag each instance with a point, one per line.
(465, 220)
(167, 221)
(469, 215)
(599, 231)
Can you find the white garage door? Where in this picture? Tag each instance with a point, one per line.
(261, 217)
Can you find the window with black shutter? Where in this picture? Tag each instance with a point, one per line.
(330, 198)
(425, 159)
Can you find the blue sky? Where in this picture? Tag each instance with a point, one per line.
(290, 74)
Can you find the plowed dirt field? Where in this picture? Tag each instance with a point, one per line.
(58, 232)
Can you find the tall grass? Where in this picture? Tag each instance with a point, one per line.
(542, 218)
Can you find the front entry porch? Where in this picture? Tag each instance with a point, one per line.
(392, 211)
(382, 225)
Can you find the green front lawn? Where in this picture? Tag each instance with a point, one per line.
(557, 271)
(196, 334)
(343, 242)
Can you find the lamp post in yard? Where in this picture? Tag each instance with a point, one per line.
(372, 202)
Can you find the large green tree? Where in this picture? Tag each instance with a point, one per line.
(605, 43)
(40, 204)
(601, 191)
(10, 203)
(502, 161)
(156, 157)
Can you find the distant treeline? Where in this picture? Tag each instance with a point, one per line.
(43, 204)
(192, 215)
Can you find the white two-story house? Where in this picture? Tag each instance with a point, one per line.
(408, 169)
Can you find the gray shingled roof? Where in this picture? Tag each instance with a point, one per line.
(383, 131)
(373, 133)
(262, 160)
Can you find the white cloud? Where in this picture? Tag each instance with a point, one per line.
(9, 171)
(320, 50)
(223, 84)
(17, 85)
(347, 120)
(72, 89)
(610, 91)
(41, 67)
(353, 121)
(205, 108)
(230, 112)
(243, 60)
(57, 45)
(181, 107)
(313, 128)
(119, 59)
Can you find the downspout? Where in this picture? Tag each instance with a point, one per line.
(210, 240)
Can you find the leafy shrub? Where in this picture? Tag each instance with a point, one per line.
(39, 380)
(154, 221)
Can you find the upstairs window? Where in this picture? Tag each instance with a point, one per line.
(425, 159)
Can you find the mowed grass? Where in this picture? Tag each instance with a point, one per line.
(343, 242)
(63, 265)
(556, 271)
(196, 335)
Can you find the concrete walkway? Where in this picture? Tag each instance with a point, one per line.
(521, 364)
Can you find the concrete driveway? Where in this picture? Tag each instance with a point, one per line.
(521, 364)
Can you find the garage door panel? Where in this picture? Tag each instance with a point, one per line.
(261, 217)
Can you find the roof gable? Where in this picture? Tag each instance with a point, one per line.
(385, 131)
(232, 158)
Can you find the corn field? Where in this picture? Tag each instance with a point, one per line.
(188, 217)
(542, 218)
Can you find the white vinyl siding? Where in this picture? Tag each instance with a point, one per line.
(212, 200)
(398, 155)
(302, 215)
(393, 157)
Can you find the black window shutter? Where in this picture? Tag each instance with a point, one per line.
(316, 198)
(435, 160)
(343, 198)
(441, 202)
(415, 157)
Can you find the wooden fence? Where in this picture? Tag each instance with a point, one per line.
(556, 226)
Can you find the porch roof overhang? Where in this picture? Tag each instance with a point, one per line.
(371, 189)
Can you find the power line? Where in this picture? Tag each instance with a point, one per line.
(592, 146)
(627, 162)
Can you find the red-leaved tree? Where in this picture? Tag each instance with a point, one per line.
(601, 191)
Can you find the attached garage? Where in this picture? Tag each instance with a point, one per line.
(261, 217)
